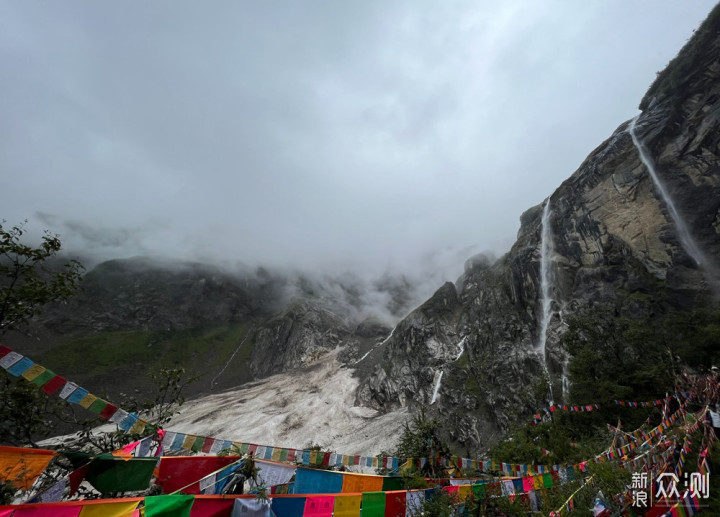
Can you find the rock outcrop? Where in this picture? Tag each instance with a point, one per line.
(614, 246)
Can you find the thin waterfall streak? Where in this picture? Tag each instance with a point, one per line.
(378, 345)
(686, 240)
(461, 344)
(366, 354)
(565, 380)
(212, 382)
(388, 338)
(437, 388)
(545, 295)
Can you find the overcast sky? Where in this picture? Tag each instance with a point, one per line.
(335, 134)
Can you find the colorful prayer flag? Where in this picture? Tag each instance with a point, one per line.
(20, 466)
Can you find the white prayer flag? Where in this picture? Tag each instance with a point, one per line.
(67, 390)
(10, 359)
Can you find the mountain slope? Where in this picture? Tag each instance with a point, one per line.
(614, 246)
(137, 315)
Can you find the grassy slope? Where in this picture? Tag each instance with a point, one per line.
(119, 361)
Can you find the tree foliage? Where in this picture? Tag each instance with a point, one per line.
(421, 439)
(24, 412)
(29, 279)
(27, 283)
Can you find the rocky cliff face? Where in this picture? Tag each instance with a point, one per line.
(614, 245)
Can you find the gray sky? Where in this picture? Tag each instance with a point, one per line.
(368, 134)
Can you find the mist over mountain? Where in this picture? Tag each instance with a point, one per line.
(625, 248)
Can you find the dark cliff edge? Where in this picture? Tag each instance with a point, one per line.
(614, 248)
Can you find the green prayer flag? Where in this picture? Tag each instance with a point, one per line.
(373, 504)
(168, 505)
(78, 459)
(42, 379)
(548, 480)
(283, 455)
(198, 444)
(480, 491)
(111, 474)
(244, 448)
(392, 483)
(97, 406)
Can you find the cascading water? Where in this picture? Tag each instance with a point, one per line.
(545, 295)
(461, 345)
(212, 382)
(565, 380)
(388, 338)
(379, 344)
(437, 387)
(686, 240)
(438, 376)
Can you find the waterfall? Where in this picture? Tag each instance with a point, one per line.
(388, 338)
(461, 345)
(437, 387)
(379, 344)
(565, 380)
(366, 354)
(545, 296)
(686, 240)
(212, 382)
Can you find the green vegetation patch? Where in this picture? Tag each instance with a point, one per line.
(198, 350)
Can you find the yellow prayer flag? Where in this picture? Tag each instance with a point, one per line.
(464, 491)
(120, 509)
(313, 457)
(347, 505)
(33, 372)
(88, 400)
(538, 482)
(138, 427)
(21, 466)
(188, 442)
(276, 454)
(406, 467)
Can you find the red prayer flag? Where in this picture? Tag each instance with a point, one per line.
(178, 472)
(54, 384)
(211, 507)
(207, 444)
(395, 503)
(108, 411)
(319, 506)
(76, 477)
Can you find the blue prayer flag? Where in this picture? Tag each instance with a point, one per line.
(310, 481)
(21, 366)
(288, 506)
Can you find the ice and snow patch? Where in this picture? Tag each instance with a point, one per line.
(314, 405)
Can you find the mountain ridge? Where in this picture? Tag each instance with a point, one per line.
(471, 352)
